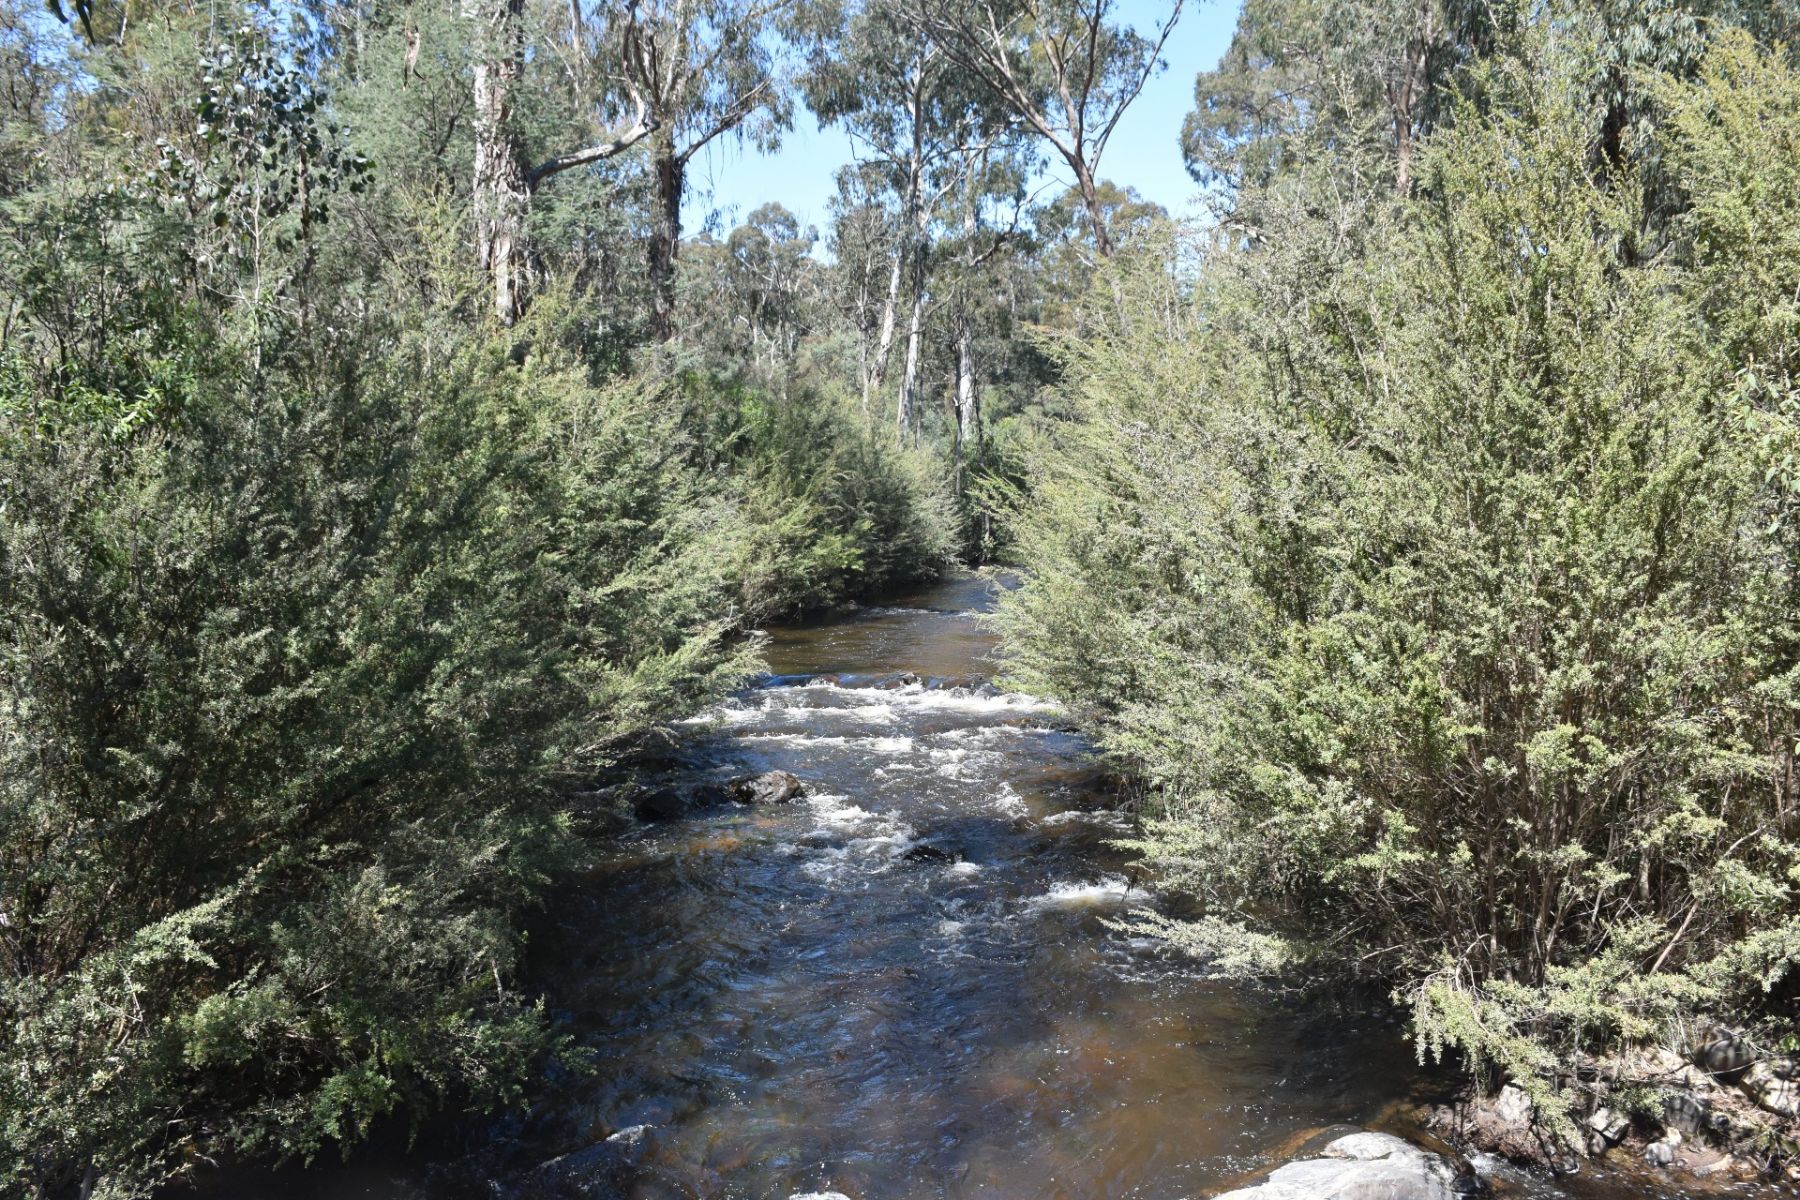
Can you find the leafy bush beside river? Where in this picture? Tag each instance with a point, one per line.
(296, 671)
(312, 620)
(1434, 561)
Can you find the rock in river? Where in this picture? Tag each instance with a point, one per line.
(660, 804)
(1366, 1166)
(775, 787)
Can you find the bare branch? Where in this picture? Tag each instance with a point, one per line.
(640, 129)
(1150, 65)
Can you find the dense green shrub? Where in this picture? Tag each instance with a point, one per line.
(292, 680)
(305, 635)
(1428, 560)
(831, 511)
(318, 594)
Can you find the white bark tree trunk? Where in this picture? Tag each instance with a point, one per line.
(502, 194)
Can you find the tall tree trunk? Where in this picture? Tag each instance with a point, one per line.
(502, 195)
(968, 402)
(1405, 93)
(884, 345)
(864, 351)
(911, 204)
(1090, 197)
(665, 239)
(915, 334)
(968, 399)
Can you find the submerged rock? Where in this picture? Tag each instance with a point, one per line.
(662, 804)
(709, 795)
(599, 1172)
(1367, 1166)
(775, 787)
(925, 852)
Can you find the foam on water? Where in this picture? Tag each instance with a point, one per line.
(729, 713)
(872, 854)
(837, 810)
(1107, 892)
(875, 745)
(918, 697)
(809, 704)
(849, 836)
(1009, 802)
(1075, 816)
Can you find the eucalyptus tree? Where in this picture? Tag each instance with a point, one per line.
(504, 178)
(865, 245)
(772, 275)
(990, 214)
(889, 104)
(1064, 68)
(31, 81)
(702, 69)
(1352, 83)
(924, 122)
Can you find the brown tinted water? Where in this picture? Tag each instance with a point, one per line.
(796, 999)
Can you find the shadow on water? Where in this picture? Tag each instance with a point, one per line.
(903, 985)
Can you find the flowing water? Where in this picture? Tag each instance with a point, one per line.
(905, 984)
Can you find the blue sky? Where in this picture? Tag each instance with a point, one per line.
(1144, 152)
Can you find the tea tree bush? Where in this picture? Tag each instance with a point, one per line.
(833, 513)
(294, 678)
(1428, 559)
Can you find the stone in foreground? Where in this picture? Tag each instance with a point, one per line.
(1365, 1166)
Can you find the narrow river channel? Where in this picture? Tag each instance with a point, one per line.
(904, 984)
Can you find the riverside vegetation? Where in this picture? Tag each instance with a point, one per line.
(381, 463)
(320, 589)
(1425, 536)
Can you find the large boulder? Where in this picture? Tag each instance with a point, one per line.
(1722, 1051)
(1775, 1085)
(1606, 1127)
(1366, 1166)
(775, 787)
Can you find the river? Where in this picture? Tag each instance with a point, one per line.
(906, 983)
